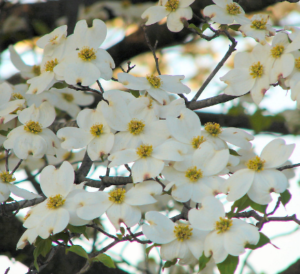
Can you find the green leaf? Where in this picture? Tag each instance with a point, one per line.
(5, 132)
(42, 248)
(61, 236)
(229, 265)
(238, 206)
(192, 26)
(263, 240)
(135, 93)
(106, 260)
(122, 229)
(203, 260)
(148, 249)
(119, 236)
(285, 197)
(233, 152)
(77, 229)
(258, 207)
(204, 27)
(234, 27)
(79, 250)
(169, 264)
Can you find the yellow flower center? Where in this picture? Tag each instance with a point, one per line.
(297, 63)
(223, 225)
(135, 127)
(259, 24)
(197, 141)
(257, 70)
(172, 5)
(183, 232)
(193, 174)
(16, 96)
(277, 51)
(68, 97)
(87, 54)
(154, 81)
(36, 70)
(256, 164)
(49, 66)
(144, 151)
(33, 127)
(213, 129)
(117, 195)
(6, 177)
(96, 130)
(55, 202)
(233, 9)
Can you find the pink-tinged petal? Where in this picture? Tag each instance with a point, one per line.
(55, 222)
(74, 138)
(172, 83)
(184, 165)
(239, 184)
(123, 213)
(185, 3)
(104, 63)
(169, 151)
(214, 245)
(17, 61)
(57, 181)
(182, 193)
(172, 174)
(196, 242)
(218, 15)
(283, 67)
(28, 236)
(261, 53)
(154, 14)
(237, 137)
(161, 228)
(146, 168)
(100, 146)
(259, 89)
(155, 133)
(205, 217)
(276, 153)
(159, 95)
(174, 23)
(209, 160)
(125, 140)
(22, 192)
(40, 83)
(241, 18)
(96, 34)
(186, 127)
(92, 204)
(132, 82)
(123, 157)
(4, 192)
(29, 143)
(249, 231)
(175, 249)
(172, 109)
(234, 242)
(264, 183)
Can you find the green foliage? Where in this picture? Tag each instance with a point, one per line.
(5, 132)
(78, 230)
(229, 265)
(135, 93)
(79, 250)
(148, 249)
(122, 229)
(234, 27)
(285, 197)
(169, 263)
(43, 246)
(203, 260)
(61, 236)
(106, 260)
(233, 152)
(263, 240)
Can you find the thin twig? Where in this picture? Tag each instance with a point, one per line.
(17, 166)
(288, 167)
(276, 206)
(6, 159)
(7, 270)
(100, 87)
(102, 231)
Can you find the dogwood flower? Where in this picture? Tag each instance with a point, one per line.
(156, 86)
(33, 137)
(225, 12)
(258, 28)
(178, 240)
(226, 236)
(119, 205)
(261, 178)
(251, 73)
(175, 10)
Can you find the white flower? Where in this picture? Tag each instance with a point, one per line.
(29, 236)
(175, 10)
(93, 132)
(33, 137)
(26, 71)
(225, 12)
(258, 28)
(53, 215)
(119, 205)
(149, 160)
(251, 73)
(156, 86)
(6, 188)
(227, 236)
(194, 178)
(261, 178)
(84, 61)
(182, 241)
